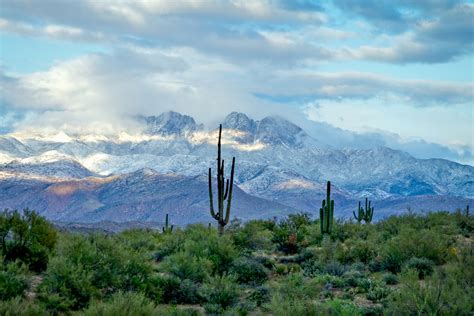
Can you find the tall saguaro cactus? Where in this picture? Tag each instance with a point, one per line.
(326, 212)
(167, 229)
(224, 189)
(365, 214)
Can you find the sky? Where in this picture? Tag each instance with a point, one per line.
(362, 73)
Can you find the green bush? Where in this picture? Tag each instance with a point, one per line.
(21, 307)
(259, 295)
(13, 280)
(312, 268)
(218, 250)
(390, 279)
(335, 268)
(123, 304)
(339, 307)
(357, 251)
(423, 266)
(352, 278)
(377, 292)
(251, 237)
(249, 271)
(279, 305)
(186, 266)
(220, 293)
(66, 286)
(91, 266)
(439, 294)
(177, 291)
(290, 234)
(27, 237)
(429, 244)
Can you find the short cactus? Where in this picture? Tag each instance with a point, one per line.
(326, 212)
(364, 214)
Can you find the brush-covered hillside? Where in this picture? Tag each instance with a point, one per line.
(403, 265)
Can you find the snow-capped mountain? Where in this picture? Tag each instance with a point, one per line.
(278, 164)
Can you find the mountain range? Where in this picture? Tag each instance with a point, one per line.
(280, 169)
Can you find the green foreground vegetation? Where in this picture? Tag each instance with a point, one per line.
(403, 265)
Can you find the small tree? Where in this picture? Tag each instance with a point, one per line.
(27, 237)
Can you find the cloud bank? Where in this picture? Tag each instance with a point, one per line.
(208, 58)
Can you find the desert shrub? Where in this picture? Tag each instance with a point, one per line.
(220, 293)
(313, 234)
(358, 266)
(259, 295)
(330, 281)
(357, 251)
(167, 310)
(94, 265)
(293, 295)
(364, 284)
(410, 243)
(279, 305)
(66, 286)
(390, 279)
(253, 236)
(143, 239)
(335, 268)
(218, 250)
(423, 266)
(439, 294)
(281, 269)
(377, 292)
(377, 264)
(13, 280)
(465, 222)
(305, 255)
(249, 271)
(186, 266)
(177, 291)
(311, 268)
(170, 244)
(352, 278)
(294, 286)
(338, 307)
(31, 238)
(289, 235)
(21, 307)
(124, 304)
(266, 261)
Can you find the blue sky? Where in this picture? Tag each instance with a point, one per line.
(399, 72)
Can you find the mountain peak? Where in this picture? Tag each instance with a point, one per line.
(277, 130)
(171, 123)
(240, 121)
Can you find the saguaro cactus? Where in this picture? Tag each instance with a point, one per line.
(167, 229)
(224, 189)
(364, 214)
(326, 212)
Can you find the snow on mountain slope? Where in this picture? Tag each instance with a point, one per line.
(276, 160)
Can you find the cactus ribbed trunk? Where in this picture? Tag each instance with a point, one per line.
(224, 190)
(167, 229)
(326, 212)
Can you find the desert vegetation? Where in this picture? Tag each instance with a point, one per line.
(402, 265)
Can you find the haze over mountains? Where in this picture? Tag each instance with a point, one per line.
(280, 169)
